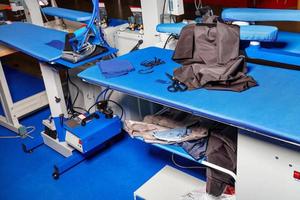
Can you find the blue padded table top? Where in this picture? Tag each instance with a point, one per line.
(257, 14)
(272, 108)
(174, 28)
(286, 49)
(41, 43)
(286, 42)
(73, 15)
(253, 33)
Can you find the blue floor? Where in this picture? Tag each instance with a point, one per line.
(113, 174)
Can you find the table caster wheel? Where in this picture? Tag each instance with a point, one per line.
(55, 175)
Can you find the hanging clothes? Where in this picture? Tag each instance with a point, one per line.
(209, 54)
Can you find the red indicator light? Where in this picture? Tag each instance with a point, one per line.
(80, 142)
(296, 175)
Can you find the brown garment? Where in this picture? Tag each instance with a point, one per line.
(210, 57)
(177, 119)
(145, 131)
(169, 119)
(222, 151)
(172, 119)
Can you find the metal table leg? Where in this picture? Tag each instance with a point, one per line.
(58, 109)
(13, 111)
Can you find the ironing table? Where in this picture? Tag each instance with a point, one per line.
(285, 49)
(267, 117)
(46, 45)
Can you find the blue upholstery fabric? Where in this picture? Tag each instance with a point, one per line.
(259, 33)
(41, 43)
(174, 28)
(72, 15)
(252, 33)
(272, 108)
(256, 14)
(286, 49)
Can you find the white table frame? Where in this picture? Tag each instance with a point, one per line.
(14, 111)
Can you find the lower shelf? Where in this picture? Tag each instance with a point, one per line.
(176, 150)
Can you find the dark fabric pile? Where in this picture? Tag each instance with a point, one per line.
(197, 130)
(216, 141)
(222, 151)
(196, 147)
(209, 54)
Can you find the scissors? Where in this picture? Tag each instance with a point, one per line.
(176, 85)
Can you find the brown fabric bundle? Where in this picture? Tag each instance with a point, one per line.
(222, 151)
(170, 119)
(210, 57)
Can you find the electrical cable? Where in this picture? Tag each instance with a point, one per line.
(174, 18)
(119, 105)
(105, 93)
(109, 95)
(30, 131)
(97, 99)
(44, 15)
(89, 25)
(94, 18)
(77, 88)
(137, 46)
(19, 136)
(72, 104)
(68, 100)
(9, 137)
(79, 108)
(122, 109)
(104, 97)
(185, 167)
(101, 93)
(163, 13)
(168, 40)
